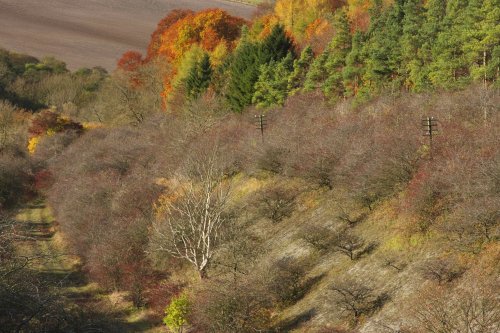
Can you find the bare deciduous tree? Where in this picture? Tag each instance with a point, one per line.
(357, 299)
(277, 202)
(319, 237)
(472, 310)
(348, 218)
(348, 243)
(195, 218)
(442, 270)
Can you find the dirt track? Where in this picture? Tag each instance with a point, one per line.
(90, 32)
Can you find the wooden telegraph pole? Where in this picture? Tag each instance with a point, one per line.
(430, 126)
(261, 124)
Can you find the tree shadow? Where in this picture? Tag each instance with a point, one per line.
(36, 231)
(296, 322)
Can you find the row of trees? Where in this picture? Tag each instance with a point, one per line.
(34, 84)
(408, 45)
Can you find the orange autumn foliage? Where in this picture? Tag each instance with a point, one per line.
(318, 34)
(297, 15)
(130, 61)
(208, 29)
(359, 13)
(213, 30)
(262, 26)
(169, 20)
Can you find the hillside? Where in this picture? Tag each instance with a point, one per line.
(317, 211)
(324, 167)
(90, 33)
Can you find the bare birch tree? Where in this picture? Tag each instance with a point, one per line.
(194, 218)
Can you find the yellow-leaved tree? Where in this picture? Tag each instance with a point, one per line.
(297, 15)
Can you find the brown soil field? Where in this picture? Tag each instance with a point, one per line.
(91, 32)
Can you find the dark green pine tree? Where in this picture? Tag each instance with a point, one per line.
(247, 60)
(383, 50)
(432, 26)
(354, 67)
(300, 70)
(339, 49)
(449, 68)
(199, 77)
(276, 46)
(243, 73)
(271, 89)
(489, 43)
(317, 73)
(482, 36)
(412, 40)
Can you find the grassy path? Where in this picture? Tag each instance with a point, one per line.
(41, 240)
(62, 271)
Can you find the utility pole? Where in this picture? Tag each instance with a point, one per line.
(430, 126)
(261, 124)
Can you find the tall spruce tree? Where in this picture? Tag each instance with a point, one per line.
(199, 77)
(383, 50)
(354, 67)
(482, 36)
(247, 60)
(276, 46)
(433, 24)
(449, 68)
(300, 69)
(317, 73)
(412, 40)
(336, 61)
(243, 73)
(271, 89)
(490, 42)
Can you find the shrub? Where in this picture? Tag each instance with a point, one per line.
(442, 270)
(272, 159)
(277, 202)
(349, 244)
(356, 299)
(242, 305)
(286, 280)
(473, 308)
(176, 313)
(319, 237)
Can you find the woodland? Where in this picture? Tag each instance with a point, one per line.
(329, 166)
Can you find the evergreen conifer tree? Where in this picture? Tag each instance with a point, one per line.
(245, 67)
(383, 50)
(412, 41)
(354, 67)
(432, 26)
(199, 77)
(449, 68)
(482, 36)
(276, 46)
(243, 73)
(300, 69)
(339, 49)
(271, 89)
(317, 72)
